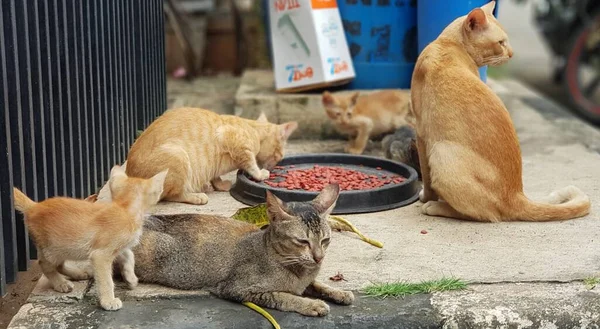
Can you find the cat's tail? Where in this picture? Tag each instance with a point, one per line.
(566, 203)
(22, 202)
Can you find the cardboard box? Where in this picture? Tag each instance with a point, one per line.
(309, 45)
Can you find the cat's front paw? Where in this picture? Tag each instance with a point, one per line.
(111, 304)
(132, 281)
(343, 297)
(354, 150)
(263, 174)
(316, 308)
(63, 286)
(85, 274)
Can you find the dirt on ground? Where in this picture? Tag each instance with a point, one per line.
(17, 294)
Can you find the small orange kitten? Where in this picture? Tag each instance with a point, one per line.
(72, 229)
(367, 116)
(199, 146)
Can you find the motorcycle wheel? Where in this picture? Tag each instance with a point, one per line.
(582, 70)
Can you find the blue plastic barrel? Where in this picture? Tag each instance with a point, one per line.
(434, 15)
(382, 38)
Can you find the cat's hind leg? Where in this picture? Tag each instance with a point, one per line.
(75, 273)
(427, 193)
(178, 185)
(441, 209)
(58, 282)
(103, 262)
(126, 263)
(287, 302)
(221, 185)
(321, 290)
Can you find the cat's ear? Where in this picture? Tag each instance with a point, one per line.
(158, 181)
(354, 98)
(262, 118)
(117, 177)
(476, 20)
(276, 209)
(325, 201)
(287, 129)
(328, 99)
(489, 7)
(117, 171)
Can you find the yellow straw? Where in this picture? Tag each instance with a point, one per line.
(355, 230)
(263, 313)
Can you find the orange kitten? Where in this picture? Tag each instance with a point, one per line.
(367, 116)
(198, 146)
(467, 145)
(72, 229)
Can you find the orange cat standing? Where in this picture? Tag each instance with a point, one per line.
(72, 229)
(367, 116)
(468, 148)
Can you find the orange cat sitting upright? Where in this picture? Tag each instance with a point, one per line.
(72, 229)
(468, 148)
(198, 146)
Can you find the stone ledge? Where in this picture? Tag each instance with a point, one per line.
(257, 94)
(504, 305)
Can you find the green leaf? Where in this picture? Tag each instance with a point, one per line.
(256, 215)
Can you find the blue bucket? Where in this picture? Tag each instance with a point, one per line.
(434, 15)
(382, 38)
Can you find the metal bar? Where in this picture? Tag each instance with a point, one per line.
(16, 115)
(94, 80)
(82, 98)
(73, 82)
(52, 157)
(9, 266)
(57, 111)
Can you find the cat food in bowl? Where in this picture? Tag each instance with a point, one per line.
(315, 178)
(367, 184)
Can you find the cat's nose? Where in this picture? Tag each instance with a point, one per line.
(318, 259)
(510, 53)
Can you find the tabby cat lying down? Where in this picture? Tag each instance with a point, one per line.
(235, 260)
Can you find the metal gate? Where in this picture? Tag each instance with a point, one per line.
(78, 78)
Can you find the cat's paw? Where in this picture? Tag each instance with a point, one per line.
(111, 304)
(263, 175)
(132, 281)
(316, 308)
(354, 150)
(82, 275)
(197, 198)
(343, 297)
(63, 286)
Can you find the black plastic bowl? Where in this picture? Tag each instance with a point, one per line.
(386, 197)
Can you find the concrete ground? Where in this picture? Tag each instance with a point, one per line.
(523, 275)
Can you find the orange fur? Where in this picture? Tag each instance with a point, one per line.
(468, 148)
(367, 116)
(72, 229)
(198, 146)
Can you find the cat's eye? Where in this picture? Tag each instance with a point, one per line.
(502, 42)
(325, 241)
(338, 114)
(303, 242)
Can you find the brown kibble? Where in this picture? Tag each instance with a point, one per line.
(423, 231)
